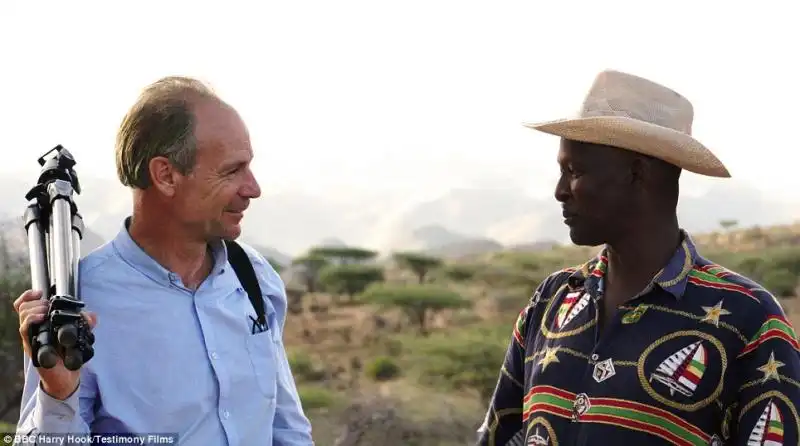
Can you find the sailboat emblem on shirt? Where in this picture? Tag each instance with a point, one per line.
(537, 439)
(572, 305)
(683, 370)
(768, 430)
(540, 433)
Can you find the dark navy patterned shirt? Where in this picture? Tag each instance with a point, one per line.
(703, 356)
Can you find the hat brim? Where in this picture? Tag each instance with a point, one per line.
(670, 145)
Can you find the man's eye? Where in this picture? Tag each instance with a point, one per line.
(569, 170)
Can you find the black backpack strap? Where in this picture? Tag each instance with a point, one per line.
(243, 268)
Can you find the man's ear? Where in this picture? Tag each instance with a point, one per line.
(163, 175)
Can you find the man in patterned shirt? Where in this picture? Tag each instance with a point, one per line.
(649, 343)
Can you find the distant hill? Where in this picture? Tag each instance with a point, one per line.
(499, 212)
(442, 242)
(14, 244)
(331, 242)
(533, 246)
(273, 254)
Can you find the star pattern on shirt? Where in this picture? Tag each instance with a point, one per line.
(770, 369)
(714, 313)
(550, 356)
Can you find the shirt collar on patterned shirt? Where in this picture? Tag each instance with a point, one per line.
(672, 278)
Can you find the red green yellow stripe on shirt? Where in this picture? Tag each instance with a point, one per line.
(626, 414)
(775, 327)
(719, 271)
(702, 278)
(519, 327)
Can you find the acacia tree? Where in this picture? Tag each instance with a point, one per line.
(416, 301)
(460, 272)
(349, 279)
(310, 266)
(728, 224)
(419, 264)
(343, 254)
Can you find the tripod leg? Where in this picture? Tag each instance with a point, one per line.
(72, 331)
(82, 351)
(61, 233)
(77, 235)
(43, 352)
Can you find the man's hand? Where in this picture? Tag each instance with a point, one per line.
(59, 382)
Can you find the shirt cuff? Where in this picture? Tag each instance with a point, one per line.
(56, 416)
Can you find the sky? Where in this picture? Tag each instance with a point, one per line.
(378, 96)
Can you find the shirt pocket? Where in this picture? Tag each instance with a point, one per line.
(263, 355)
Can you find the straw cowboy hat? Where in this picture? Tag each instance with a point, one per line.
(633, 113)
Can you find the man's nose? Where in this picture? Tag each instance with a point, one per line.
(251, 188)
(562, 193)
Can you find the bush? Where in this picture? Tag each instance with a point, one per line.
(313, 397)
(303, 367)
(11, 378)
(383, 368)
(394, 348)
(759, 265)
(462, 360)
(780, 282)
(510, 301)
(545, 262)
(786, 258)
(505, 276)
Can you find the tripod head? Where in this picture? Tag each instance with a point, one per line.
(61, 166)
(55, 229)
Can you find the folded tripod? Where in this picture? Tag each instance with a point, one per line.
(55, 229)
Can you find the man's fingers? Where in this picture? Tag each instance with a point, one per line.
(27, 296)
(32, 306)
(27, 320)
(91, 318)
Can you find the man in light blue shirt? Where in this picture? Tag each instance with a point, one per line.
(176, 351)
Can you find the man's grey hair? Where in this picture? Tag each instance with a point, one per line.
(160, 123)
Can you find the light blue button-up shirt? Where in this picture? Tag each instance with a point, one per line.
(172, 361)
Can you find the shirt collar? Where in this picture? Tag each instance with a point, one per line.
(672, 278)
(136, 257)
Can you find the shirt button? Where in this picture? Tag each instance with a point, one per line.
(595, 356)
(214, 355)
(226, 414)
